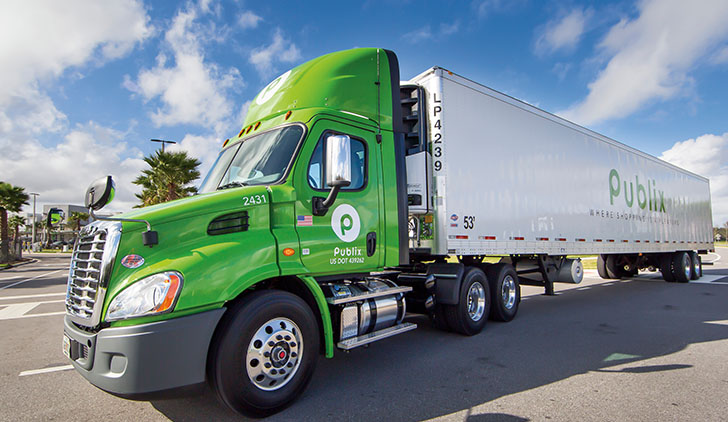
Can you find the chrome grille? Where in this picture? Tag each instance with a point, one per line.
(93, 257)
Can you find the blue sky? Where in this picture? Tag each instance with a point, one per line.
(85, 85)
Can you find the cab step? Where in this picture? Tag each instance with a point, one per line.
(354, 342)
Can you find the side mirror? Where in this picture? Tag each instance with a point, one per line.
(100, 193)
(338, 171)
(338, 160)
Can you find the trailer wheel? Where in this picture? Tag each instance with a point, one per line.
(264, 353)
(682, 267)
(505, 292)
(697, 270)
(613, 268)
(469, 316)
(666, 268)
(602, 266)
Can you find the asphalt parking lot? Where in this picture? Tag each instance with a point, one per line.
(637, 349)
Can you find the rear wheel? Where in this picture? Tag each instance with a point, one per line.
(697, 270)
(469, 316)
(613, 267)
(666, 268)
(505, 292)
(265, 352)
(682, 267)
(602, 266)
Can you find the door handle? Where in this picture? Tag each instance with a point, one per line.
(371, 243)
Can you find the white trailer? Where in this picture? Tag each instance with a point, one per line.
(497, 176)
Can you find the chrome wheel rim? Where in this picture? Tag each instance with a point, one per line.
(687, 265)
(476, 301)
(508, 292)
(274, 354)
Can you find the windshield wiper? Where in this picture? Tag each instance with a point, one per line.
(232, 185)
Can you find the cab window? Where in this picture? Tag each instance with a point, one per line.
(316, 167)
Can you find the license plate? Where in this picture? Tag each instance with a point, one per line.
(66, 346)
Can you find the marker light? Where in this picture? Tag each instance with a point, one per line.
(288, 252)
(257, 125)
(288, 114)
(151, 295)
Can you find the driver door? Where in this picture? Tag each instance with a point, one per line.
(347, 238)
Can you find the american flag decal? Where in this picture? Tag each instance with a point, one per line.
(304, 220)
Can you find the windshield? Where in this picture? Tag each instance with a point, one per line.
(260, 160)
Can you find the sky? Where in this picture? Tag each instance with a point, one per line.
(85, 85)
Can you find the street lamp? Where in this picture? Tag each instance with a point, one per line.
(33, 224)
(162, 141)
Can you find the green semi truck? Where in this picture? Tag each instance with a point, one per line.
(344, 203)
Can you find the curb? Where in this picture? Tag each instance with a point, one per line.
(32, 261)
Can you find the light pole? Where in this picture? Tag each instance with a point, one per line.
(162, 141)
(35, 195)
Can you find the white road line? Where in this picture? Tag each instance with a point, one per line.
(9, 280)
(724, 322)
(20, 310)
(29, 279)
(716, 259)
(46, 370)
(32, 296)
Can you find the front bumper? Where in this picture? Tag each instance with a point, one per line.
(144, 358)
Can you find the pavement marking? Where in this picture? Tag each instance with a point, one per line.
(9, 280)
(29, 279)
(716, 259)
(46, 370)
(20, 310)
(32, 296)
(724, 322)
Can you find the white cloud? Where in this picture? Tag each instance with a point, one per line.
(43, 39)
(426, 33)
(419, 34)
(203, 147)
(706, 155)
(720, 57)
(86, 153)
(564, 33)
(191, 90)
(650, 57)
(484, 8)
(248, 20)
(281, 50)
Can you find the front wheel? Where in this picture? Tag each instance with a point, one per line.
(469, 316)
(264, 353)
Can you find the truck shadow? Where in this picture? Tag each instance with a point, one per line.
(428, 373)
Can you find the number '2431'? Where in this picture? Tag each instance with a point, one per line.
(254, 200)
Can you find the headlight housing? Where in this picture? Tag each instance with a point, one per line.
(151, 295)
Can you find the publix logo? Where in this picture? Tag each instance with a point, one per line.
(645, 197)
(345, 223)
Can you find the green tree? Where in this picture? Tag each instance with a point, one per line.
(12, 199)
(167, 178)
(14, 224)
(75, 219)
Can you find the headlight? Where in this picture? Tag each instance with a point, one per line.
(151, 295)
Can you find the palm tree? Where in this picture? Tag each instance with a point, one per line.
(14, 223)
(12, 199)
(167, 178)
(75, 220)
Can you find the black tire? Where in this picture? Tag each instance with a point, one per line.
(602, 266)
(681, 267)
(666, 268)
(439, 320)
(505, 292)
(467, 317)
(614, 271)
(697, 269)
(235, 340)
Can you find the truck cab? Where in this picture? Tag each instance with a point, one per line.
(270, 263)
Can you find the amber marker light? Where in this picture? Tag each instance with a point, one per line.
(174, 284)
(288, 252)
(288, 114)
(257, 125)
(225, 143)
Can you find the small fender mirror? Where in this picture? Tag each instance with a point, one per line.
(100, 193)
